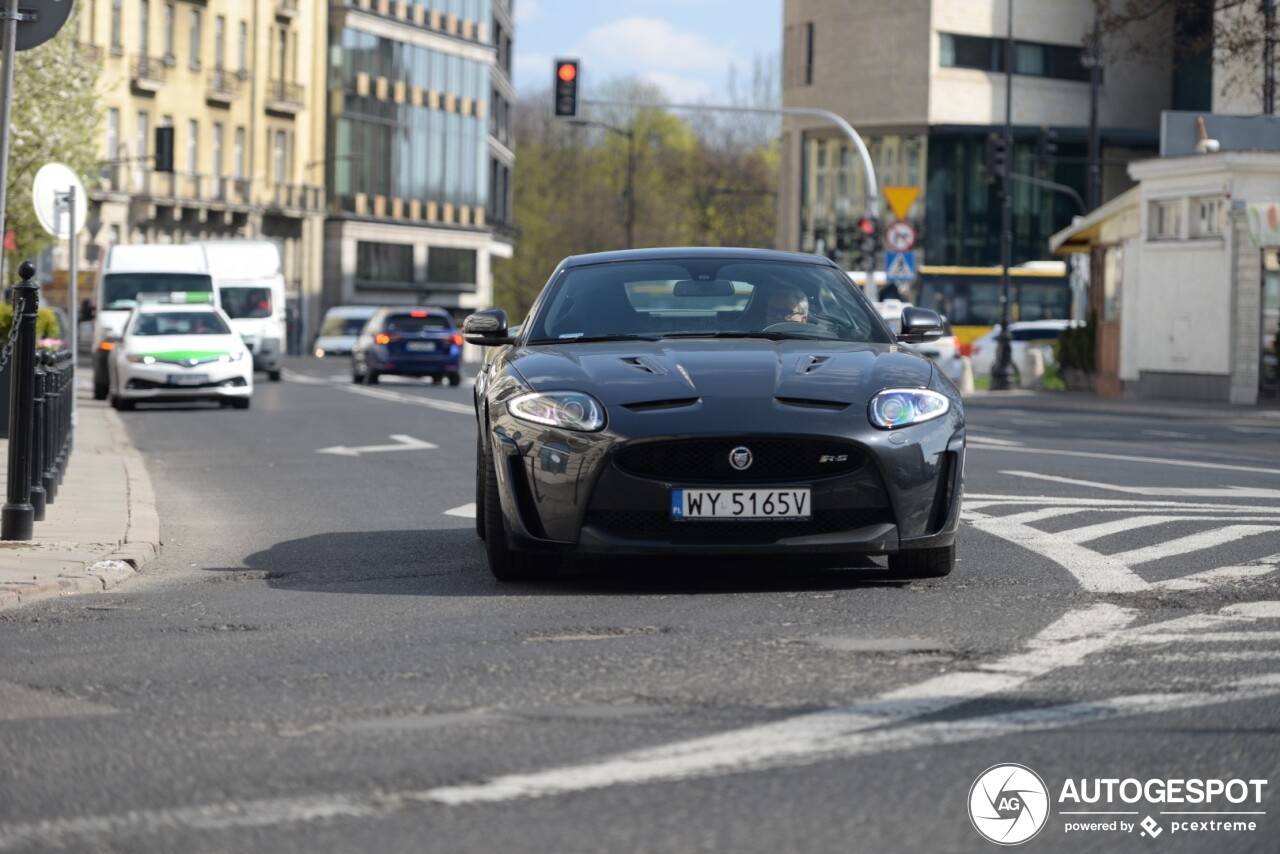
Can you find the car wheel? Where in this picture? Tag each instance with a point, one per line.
(480, 486)
(923, 563)
(273, 376)
(455, 379)
(240, 402)
(121, 405)
(371, 377)
(100, 389)
(506, 563)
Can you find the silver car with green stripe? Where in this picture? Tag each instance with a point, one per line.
(177, 351)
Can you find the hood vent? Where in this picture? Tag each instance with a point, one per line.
(808, 403)
(809, 364)
(649, 366)
(651, 405)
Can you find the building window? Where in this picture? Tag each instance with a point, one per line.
(144, 25)
(237, 155)
(280, 157)
(216, 152)
(193, 138)
(244, 47)
(451, 266)
(113, 146)
(140, 150)
(116, 47)
(169, 15)
(1166, 219)
(195, 39)
(1034, 59)
(1208, 222)
(808, 54)
(387, 263)
(219, 42)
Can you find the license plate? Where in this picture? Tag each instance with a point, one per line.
(783, 504)
(421, 346)
(188, 379)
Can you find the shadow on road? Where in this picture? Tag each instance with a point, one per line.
(452, 563)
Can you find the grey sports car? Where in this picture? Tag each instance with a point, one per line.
(701, 401)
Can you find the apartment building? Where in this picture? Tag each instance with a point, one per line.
(924, 83)
(236, 81)
(419, 152)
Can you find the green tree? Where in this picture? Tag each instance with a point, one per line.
(55, 117)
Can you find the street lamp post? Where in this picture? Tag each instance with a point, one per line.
(630, 190)
(1002, 373)
(1092, 59)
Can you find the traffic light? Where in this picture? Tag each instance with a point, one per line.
(868, 236)
(997, 158)
(565, 87)
(1046, 144)
(164, 149)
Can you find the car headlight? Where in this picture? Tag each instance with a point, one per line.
(899, 407)
(231, 357)
(138, 359)
(572, 410)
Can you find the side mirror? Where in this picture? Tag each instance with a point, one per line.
(920, 325)
(487, 328)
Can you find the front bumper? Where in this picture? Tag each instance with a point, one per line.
(173, 382)
(585, 493)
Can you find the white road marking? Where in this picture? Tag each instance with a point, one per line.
(1129, 459)
(1096, 572)
(401, 443)
(1212, 538)
(411, 399)
(466, 511)
(979, 499)
(1234, 492)
(1222, 575)
(1169, 434)
(1116, 526)
(988, 440)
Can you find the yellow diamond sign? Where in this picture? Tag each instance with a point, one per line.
(901, 199)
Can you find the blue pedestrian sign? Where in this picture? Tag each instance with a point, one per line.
(900, 266)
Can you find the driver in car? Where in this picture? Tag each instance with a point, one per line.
(787, 304)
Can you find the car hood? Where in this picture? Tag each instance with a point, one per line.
(179, 347)
(632, 373)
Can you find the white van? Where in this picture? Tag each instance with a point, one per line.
(340, 328)
(125, 272)
(249, 283)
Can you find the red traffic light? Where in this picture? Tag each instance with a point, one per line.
(567, 71)
(867, 225)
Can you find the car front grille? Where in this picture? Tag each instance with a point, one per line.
(705, 460)
(632, 525)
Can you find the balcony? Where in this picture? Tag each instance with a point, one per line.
(148, 73)
(224, 87)
(91, 53)
(286, 10)
(297, 197)
(284, 98)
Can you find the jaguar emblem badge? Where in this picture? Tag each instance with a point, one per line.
(740, 458)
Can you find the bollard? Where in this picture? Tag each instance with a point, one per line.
(966, 376)
(18, 516)
(38, 427)
(53, 406)
(67, 405)
(1032, 368)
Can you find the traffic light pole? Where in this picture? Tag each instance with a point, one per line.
(1002, 373)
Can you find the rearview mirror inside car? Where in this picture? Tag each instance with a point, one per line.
(703, 288)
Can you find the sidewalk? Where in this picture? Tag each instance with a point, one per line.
(102, 526)
(1267, 413)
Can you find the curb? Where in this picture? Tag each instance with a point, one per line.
(141, 544)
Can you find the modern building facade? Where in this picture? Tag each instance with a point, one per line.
(418, 153)
(234, 80)
(924, 84)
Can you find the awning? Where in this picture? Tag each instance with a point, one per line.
(1085, 230)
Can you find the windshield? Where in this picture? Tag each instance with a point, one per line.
(120, 290)
(179, 323)
(705, 298)
(416, 323)
(245, 301)
(342, 325)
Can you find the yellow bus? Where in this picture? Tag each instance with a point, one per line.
(970, 296)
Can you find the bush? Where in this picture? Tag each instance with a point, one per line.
(47, 326)
(1077, 347)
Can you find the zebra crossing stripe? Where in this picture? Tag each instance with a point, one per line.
(1213, 538)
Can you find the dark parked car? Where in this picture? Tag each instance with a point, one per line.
(410, 342)
(732, 402)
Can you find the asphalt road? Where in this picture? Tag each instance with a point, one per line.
(320, 661)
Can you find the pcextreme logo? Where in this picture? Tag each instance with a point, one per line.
(1008, 804)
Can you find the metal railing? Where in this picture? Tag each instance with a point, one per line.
(223, 84)
(148, 70)
(284, 93)
(41, 394)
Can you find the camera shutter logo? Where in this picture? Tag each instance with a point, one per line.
(1008, 804)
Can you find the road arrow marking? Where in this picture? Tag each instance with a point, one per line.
(402, 443)
(466, 511)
